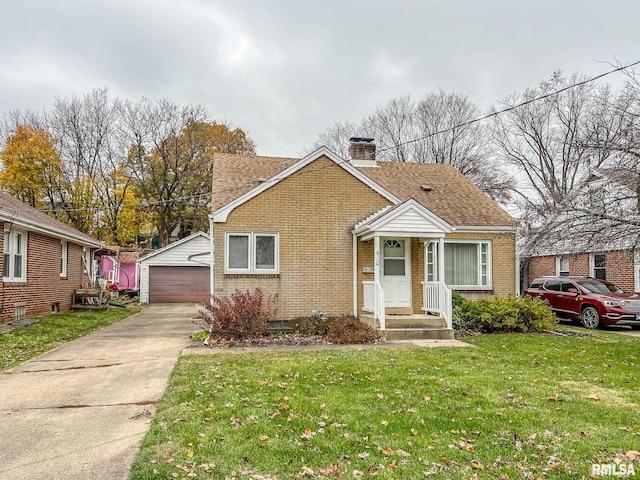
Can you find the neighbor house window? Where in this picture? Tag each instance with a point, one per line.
(562, 266)
(599, 266)
(15, 258)
(63, 258)
(431, 262)
(467, 265)
(251, 252)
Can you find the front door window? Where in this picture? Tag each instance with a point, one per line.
(393, 257)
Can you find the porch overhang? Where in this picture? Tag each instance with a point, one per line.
(408, 219)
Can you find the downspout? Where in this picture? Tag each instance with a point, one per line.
(355, 274)
(212, 261)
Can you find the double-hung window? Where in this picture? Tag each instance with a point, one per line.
(15, 256)
(598, 266)
(562, 266)
(63, 258)
(251, 252)
(467, 264)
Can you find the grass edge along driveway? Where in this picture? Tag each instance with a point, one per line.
(519, 406)
(54, 330)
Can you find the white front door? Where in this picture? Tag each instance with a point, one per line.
(396, 271)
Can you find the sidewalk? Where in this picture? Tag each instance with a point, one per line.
(80, 411)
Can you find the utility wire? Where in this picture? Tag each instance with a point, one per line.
(433, 134)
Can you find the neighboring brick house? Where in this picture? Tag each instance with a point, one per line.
(44, 261)
(341, 236)
(574, 244)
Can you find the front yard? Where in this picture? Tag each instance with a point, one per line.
(52, 331)
(518, 406)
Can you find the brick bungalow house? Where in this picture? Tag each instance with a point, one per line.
(385, 241)
(572, 243)
(44, 261)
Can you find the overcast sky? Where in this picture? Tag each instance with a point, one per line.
(285, 70)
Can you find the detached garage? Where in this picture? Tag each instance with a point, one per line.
(177, 273)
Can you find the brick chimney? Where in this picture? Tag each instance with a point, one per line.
(362, 152)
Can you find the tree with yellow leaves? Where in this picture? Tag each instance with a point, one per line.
(31, 166)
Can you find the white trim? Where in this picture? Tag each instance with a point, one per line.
(485, 228)
(251, 251)
(433, 226)
(223, 212)
(489, 285)
(354, 252)
(212, 266)
(64, 258)
(173, 245)
(24, 248)
(50, 231)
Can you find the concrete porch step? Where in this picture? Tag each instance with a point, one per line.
(414, 321)
(417, 333)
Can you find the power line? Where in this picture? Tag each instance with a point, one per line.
(433, 134)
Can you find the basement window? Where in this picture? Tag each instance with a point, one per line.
(20, 313)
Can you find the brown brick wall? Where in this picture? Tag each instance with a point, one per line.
(619, 267)
(314, 214)
(44, 286)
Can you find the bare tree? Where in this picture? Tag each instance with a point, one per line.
(438, 129)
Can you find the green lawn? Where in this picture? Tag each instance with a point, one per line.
(518, 406)
(52, 331)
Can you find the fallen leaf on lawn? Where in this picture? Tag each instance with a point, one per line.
(402, 453)
(476, 465)
(264, 438)
(283, 407)
(190, 453)
(427, 399)
(363, 455)
(339, 425)
(626, 429)
(469, 448)
(306, 472)
(553, 399)
(380, 396)
(358, 474)
(593, 396)
(387, 451)
(384, 422)
(393, 466)
(415, 432)
(633, 455)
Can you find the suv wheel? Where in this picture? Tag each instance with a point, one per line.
(590, 317)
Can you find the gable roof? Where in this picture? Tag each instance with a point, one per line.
(14, 211)
(173, 245)
(235, 175)
(220, 215)
(453, 197)
(408, 216)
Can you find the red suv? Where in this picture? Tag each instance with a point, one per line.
(593, 302)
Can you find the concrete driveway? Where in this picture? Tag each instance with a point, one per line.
(80, 411)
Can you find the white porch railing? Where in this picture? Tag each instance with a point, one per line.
(436, 297)
(374, 301)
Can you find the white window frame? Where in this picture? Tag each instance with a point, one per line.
(559, 271)
(592, 264)
(488, 285)
(251, 264)
(64, 256)
(10, 250)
